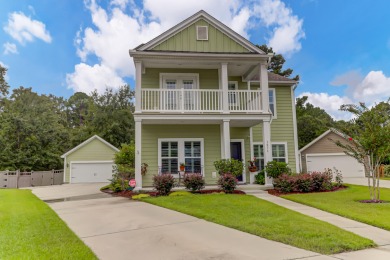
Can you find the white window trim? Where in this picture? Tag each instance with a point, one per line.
(272, 143)
(275, 116)
(207, 33)
(180, 150)
(236, 103)
(179, 76)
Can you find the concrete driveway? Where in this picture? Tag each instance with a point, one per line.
(119, 228)
(363, 181)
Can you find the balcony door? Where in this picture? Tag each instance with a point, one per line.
(176, 99)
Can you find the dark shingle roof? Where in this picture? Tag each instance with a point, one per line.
(274, 77)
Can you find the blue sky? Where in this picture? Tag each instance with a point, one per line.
(341, 49)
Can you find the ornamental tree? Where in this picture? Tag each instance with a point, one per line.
(368, 140)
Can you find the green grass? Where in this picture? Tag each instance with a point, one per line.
(29, 229)
(265, 219)
(385, 178)
(346, 203)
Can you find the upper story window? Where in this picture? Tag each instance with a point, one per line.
(202, 33)
(232, 85)
(272, 101)
(179, 80)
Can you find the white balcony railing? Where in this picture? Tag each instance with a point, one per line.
(199, 100)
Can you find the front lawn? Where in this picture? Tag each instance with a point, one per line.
(29, 229)
(385, 178)
(265, 219)
(346, 203)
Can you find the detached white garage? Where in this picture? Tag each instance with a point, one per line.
(322, 153)
(90, 161)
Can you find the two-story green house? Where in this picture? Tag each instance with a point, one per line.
(203, 93)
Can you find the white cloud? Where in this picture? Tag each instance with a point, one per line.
(287, 28)
(115, 31)
(330, 103)
(10, 48)
(88, 78)
(23, 29)
(369, 89)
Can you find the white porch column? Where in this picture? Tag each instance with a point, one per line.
(264, 86)
(267, 146)
(138, 81)
(224, 86)
(226, 139)
(138, 138)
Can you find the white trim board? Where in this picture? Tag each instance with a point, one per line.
(87, 142)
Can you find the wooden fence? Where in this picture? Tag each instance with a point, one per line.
(19, 179)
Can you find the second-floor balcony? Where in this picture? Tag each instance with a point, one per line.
(201, 101)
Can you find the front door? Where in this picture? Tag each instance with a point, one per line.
(236, 153)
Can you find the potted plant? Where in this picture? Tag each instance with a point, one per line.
(252, 166)
(182, 166)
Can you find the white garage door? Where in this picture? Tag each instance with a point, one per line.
(348, 166)
(91, 172)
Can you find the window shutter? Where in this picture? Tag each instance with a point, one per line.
(202, 33)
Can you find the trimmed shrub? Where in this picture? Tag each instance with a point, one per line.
(303, 182)
(284, 183)
(180, 193)
(230, 166)
(386, 170)
(274, 169)
(260, 178)
(193, 181)
(227, 182)
(163, 183)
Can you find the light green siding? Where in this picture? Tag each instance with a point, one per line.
(92, 151)
(185, 41)
(151, 134)
(208, 78)
(282, 128)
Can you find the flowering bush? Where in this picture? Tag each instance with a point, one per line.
(227, 182)
(193, 181)
(163, 183)
(304, 182)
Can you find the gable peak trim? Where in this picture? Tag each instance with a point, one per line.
(87, 142)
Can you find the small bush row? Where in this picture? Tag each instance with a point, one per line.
(306, 182)
(193, 182)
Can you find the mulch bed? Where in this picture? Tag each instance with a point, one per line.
(278, 193)
(374, 201)
(129, 193)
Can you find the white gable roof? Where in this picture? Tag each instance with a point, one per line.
(87, 142)
(200, 15)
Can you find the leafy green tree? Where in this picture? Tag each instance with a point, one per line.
(368, 140)
(277, 62)
(112, 115)
(31, 136)
(311, 121)
(4, 87)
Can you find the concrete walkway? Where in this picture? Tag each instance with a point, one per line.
(118, 228)
(380, 236)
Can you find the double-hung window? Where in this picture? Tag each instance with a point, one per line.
(174, 151)
(279, 154)
(272, 101)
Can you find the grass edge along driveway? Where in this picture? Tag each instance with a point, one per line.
(267, 220)
(30, 229)
(346, 203)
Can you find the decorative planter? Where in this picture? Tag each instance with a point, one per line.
(182, 168)
(252, 169)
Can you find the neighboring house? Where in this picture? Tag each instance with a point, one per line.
(322, 153)
(203, 93)
(90, 161)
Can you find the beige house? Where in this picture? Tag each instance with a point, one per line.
(90, 161)
(322, 153)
